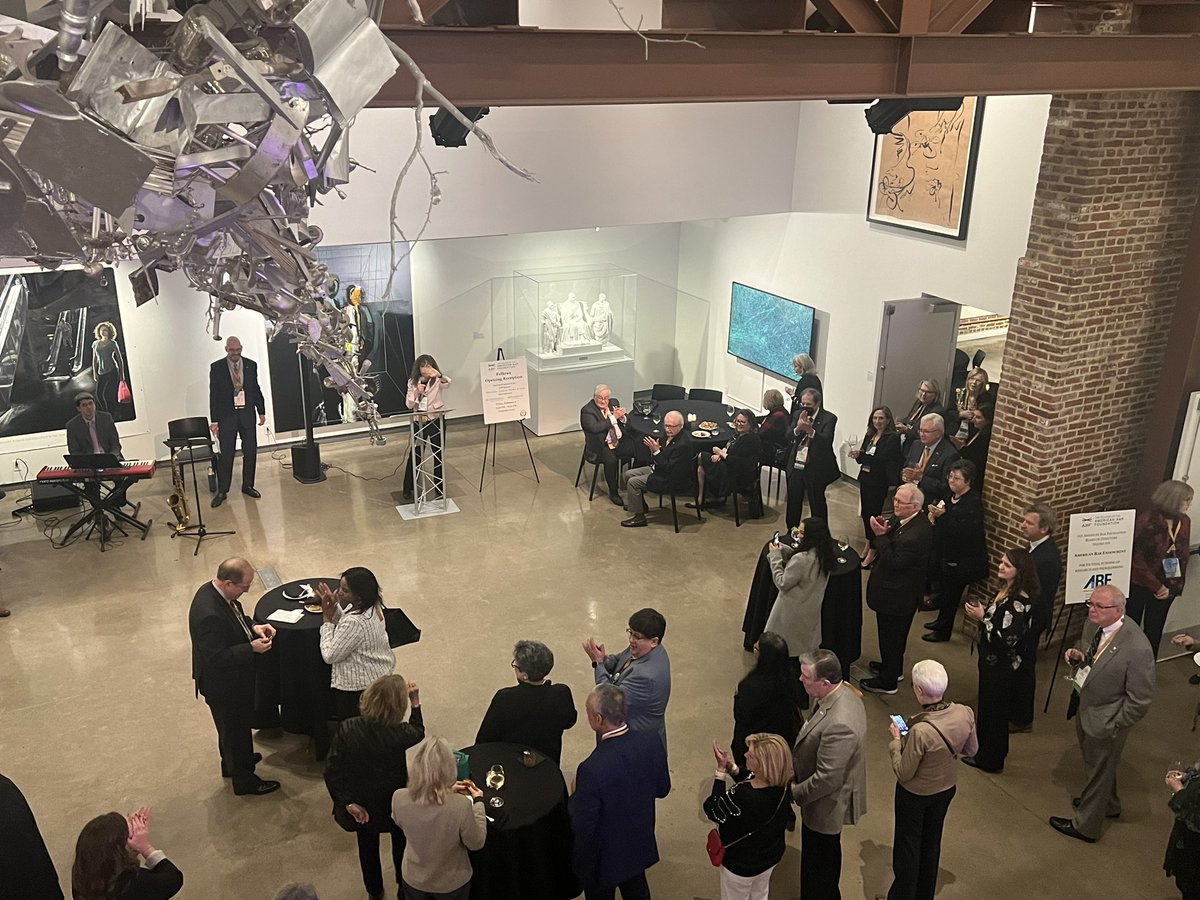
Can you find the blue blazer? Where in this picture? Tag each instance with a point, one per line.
(612, 809)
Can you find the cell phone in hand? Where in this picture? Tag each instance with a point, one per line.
(775, 540)
(901, 724)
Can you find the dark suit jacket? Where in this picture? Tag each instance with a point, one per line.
(882, 468)
(897, 580)
(674, 466)
(222, 658)
(959, 539)
(977, 452)
(612, 809)
(595, 426)
(933, 482)
(220, 390)
(1048, 562)
(79, 440)
(25, 864)
(822, 466)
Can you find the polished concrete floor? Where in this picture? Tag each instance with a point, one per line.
(97, 711)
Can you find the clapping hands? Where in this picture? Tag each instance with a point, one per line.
(139, 831)
(594, 651)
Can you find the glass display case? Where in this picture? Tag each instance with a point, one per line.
(574, 317)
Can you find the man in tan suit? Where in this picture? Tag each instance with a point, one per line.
(1113, 679)
(831, 773)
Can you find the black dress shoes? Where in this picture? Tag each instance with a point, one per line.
(638, 521)
(1064, 826)
(218, 499)
(257, 758)
(251, 492)
(616, 499)
(931, 625)
(1075, 805)
(935, 637)
(975, 764)
(875, 686)
(255, 787)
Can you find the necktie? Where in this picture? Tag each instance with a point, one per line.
(614, 432)
(235, 372)
(96, 448)
(924, 460)
(1088, 659)
(241, 617)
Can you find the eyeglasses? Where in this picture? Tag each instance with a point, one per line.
(515, 666)
(1092, 605)
(635, 636)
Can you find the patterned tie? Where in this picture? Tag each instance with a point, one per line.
(1088, 659)
(241, 617)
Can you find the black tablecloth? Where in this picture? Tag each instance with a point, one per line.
(528, 850)
(299, 677)
(841, 609)
(704, 410)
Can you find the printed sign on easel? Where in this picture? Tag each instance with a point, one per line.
(505, 386)
(1100, 553)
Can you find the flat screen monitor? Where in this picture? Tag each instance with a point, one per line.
(768, 330)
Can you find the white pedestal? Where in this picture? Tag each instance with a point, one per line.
(559, 386)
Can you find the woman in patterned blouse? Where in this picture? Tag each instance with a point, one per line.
(1002, 627)
(354, 638)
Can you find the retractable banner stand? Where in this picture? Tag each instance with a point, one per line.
(1099, 554)
(504, 384)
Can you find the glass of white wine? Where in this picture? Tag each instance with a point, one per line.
(495, 777)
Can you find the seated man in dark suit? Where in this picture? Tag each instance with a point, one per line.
(94, 431)
(927, 460)
(603, 422)
(672, 468)
(534, 712)
(812, 464)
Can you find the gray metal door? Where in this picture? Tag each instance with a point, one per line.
(916, 342)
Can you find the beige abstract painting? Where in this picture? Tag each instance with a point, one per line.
(924, 168)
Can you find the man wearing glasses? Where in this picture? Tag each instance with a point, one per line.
(642, 671)
(927, 460)
(1113, 683)
(225, 642)
(672, 468)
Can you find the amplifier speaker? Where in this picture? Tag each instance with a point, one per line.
(47, 497)
(306, 463)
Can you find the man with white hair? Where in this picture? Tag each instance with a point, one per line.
(672, 468)
(1113, 683)
(925, 759)
(902, 546)
(927, 460)
(604, 436)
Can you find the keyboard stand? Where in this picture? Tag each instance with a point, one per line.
(105, 515)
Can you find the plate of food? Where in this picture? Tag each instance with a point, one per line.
(700, 433)
(312, 607)
(709, 426)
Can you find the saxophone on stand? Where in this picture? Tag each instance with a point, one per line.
(178, 499)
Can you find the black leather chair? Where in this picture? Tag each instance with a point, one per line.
(196, 437)
(754, 498)
(692, 490)
(668, 392)
(705, 394)
(584, 458)
(778, 464)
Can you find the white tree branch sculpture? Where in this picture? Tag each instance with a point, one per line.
(645, 37)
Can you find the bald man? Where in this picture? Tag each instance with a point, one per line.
(233, 398)
(225, 642)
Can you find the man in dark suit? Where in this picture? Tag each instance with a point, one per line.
(603, 422)
(233, 398)
(927, 460)
(1113, 675)
(25, 863)
(224, 643)
(612, 809)
(812, 464)
(94, 431)
(903, 544)
(672, 468)
(831, 773)
(1037, 525)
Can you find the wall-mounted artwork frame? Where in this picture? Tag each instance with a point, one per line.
(923, 171)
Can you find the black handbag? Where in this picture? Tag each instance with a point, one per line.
(400, 629)
(644, 407)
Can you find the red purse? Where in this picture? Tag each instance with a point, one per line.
(716, 850)
(124, 395)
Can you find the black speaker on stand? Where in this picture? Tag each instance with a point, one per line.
(306, 457)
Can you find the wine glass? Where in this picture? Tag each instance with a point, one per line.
(729, 410)
(495, 777)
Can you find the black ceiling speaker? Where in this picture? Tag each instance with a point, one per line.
(882, 115)
(447, 131)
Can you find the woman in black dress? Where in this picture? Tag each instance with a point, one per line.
(1003, 624)
(730, 468)
(1183, 846)
(106, 861)
(367, 764)
(534, 712)
(768, 698)
(976, 445)
(879, 462)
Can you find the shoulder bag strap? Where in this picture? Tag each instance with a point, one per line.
(953, 752)
(782, 797)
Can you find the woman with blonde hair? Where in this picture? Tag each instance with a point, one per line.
(773, 428)
(1162, 538)
(442, 819)
(108, 367)
(806, 374)
(753, 810)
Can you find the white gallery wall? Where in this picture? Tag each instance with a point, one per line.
(828, 256)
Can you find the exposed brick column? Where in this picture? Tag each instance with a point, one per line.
(1093, 301)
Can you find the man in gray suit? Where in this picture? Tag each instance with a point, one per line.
(642, 671)
(831, 773)
(1113, 685)
(94, 431)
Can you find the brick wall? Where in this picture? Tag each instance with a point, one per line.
(1092, 303)
(980, 324)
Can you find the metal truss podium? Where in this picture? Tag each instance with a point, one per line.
(427, 449)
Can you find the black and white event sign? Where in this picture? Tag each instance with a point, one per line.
(505, 386)
(1100, 553)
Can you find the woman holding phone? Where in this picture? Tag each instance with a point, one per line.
(425, 385)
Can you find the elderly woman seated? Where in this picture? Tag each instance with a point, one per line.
(534, 712)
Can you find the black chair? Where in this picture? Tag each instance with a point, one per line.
(586, 457)
(978, 358)
(777, 464)
(194, 434)
(668, 392)
(692, 490)
(705, 394)
(754, 498)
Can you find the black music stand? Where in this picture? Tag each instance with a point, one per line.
(192, 433)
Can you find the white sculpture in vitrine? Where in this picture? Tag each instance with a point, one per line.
(551, 328)
(576, 329)
(602, 319)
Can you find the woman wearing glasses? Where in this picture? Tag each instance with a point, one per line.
(729, 468)
(534, 712)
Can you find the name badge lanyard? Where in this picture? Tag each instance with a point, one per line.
(1171, 568)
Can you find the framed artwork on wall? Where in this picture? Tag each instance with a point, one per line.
(924, 170)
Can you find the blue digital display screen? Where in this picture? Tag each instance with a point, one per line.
(767, 330)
